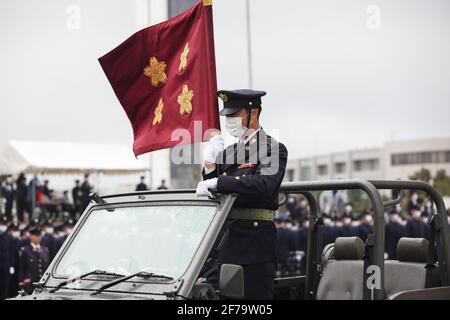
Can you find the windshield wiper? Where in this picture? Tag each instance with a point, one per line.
(84, 275)
(140, 274)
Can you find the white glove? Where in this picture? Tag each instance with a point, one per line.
(11, 270)
(213, 148)
(203, 186)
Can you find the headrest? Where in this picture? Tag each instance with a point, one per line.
(348, 248)
(412, 249)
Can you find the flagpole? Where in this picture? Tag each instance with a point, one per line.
(249, 46)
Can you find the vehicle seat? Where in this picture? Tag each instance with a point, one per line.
(409, 272)
(342, 275)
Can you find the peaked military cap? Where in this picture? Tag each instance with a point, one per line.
(35, 231)
(235, 100)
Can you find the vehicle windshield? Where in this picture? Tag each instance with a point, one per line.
(158, 238)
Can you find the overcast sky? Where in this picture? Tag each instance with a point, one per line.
(337, 77)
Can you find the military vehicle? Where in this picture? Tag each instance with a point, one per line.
(153, 245)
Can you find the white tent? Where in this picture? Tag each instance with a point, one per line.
(68, 158)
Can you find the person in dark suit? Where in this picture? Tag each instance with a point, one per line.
(413, 201)
(33, 261)
(141, 186)
(253, 168)
(76, 198)
(345, 227)
(21, 196)
(365, 226)
(163, 185)
(285, 244)
(15, 247)
(6, 258)
(330, 230)
(394, 230)
(48, 239)
(8, 194)
(86, 190)
(415, 227)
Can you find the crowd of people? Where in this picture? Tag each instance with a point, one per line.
(27, 250)
(340, 220)
(34, 223)
(36, 199)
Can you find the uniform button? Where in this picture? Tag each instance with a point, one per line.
(224, 174)
(255, 223)
(237, 178)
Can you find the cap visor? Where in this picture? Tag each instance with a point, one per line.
(228, 111)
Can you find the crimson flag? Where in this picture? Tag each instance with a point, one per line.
(165, 78)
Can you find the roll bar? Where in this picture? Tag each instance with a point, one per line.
(372, 189)
(351, 184)
(441, 214)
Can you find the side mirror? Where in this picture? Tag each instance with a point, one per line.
(231, 282)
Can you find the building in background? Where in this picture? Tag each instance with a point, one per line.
(395, 160)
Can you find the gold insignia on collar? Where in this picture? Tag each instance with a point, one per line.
(156, 71)
(224, 97)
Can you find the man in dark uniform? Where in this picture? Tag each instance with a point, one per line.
(416, 227)
(48, 239)
(21, 196)
(86, 190)
(286, 244)
(394, 230)
(15, 247)
(141, 186)
(8, 194)
(365, 226)
(76, 197)
(33, 261)
(253, 168)
(6, 258)
(330, 230)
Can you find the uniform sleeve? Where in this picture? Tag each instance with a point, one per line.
(209, 175)
(264, 183)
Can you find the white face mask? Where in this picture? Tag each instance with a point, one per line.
(234, 126)
(3, 228)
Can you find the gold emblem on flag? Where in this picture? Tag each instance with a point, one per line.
(184, 99)
(224, 97)
(156, 71)
(158, 112)
(183, 58)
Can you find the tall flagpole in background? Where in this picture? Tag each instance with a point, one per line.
(249, 46)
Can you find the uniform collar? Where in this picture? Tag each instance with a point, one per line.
(36, 246)
(247, 139)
